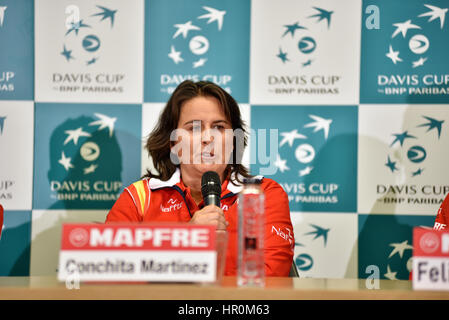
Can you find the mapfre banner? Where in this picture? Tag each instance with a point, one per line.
(430, 259)
(137, 252)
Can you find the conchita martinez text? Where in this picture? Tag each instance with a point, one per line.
(128, 267)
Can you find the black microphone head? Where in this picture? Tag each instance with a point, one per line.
(210, 185)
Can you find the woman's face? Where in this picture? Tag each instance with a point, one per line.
(205, 136)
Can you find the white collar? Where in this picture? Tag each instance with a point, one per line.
(176, 178)
(236, 188)
(157, 183)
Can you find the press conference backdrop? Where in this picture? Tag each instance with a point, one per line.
(355, 93)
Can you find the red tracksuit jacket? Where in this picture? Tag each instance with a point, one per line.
(171, 201)
(443, 215)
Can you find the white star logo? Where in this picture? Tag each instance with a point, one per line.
(184, 29)
(390, 275)
(65, 162)
(305, 171)
(175, 55)
(393, 55)
(281, 164)
(74, 135)
(2, 15)
(213, 15)
(403, 27)
(419, 62)
(290, 137)
(90, 169)
(199, 63)
(320, 124)
(104, 122)
(400, 248)
(435, 13)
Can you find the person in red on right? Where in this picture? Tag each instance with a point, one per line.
(441, 220)
(443, 215)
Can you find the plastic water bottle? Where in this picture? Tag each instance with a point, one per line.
(251, 227)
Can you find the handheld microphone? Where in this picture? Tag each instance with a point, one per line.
(211, 188)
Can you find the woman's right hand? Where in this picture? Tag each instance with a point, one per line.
(210, 215)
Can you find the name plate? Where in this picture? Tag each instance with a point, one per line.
(430, 259)
(138, 252)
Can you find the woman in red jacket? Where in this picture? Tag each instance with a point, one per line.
(200, 130)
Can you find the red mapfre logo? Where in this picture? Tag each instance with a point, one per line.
(137, 237)
(78, 237)
(429, 242)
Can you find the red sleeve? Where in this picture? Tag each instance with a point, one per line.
(279, 238)
(442, 217)
(124, 210)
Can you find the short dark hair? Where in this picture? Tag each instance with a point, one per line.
(158, 142)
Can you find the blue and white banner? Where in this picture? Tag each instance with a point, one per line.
(89, 52)
(385, 244)
(302, 52)
(15, 244)
(197, 40)
(325, 244)
(16, 41)
(402, 158)
(346, 104)
(312, 154)
(86, 154)
(16, 154)
(405, 61)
